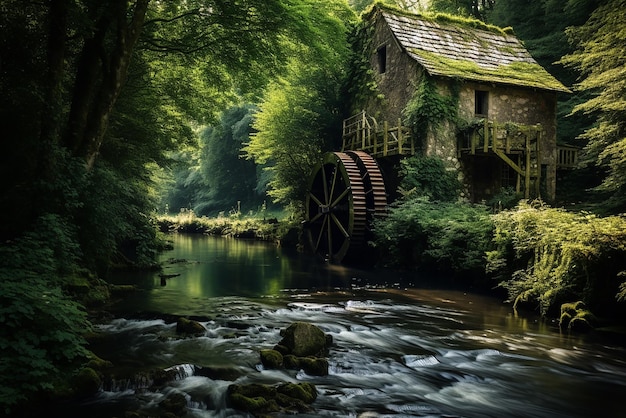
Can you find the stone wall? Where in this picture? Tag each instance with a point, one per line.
(397, 83)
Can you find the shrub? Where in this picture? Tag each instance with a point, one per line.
(41, 328)
(547, 255)
(441, 236)
(427, 176)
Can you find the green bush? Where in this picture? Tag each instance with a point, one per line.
(41, 328)
(548, 256)
(443, 236)
(427, 176)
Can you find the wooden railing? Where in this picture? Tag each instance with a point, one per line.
(567, 156)
(363, 133)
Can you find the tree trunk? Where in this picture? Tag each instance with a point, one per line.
(100, 76)
(52, 108)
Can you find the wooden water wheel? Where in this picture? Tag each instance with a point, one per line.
(346, 193)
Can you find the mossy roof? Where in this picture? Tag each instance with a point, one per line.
(461, 48)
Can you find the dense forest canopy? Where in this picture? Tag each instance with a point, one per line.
(114, 110)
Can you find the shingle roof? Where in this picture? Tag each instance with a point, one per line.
(452, 49)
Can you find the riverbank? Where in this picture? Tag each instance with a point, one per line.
(283, 231)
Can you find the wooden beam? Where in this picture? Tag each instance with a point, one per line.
(510, 162)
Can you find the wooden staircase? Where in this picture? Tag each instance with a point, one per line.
(517, 145)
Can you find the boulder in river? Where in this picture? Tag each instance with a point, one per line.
(271, 359)
(189, 327)
(303, 339)
(258, 399)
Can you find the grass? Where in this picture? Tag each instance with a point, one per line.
(266, 226)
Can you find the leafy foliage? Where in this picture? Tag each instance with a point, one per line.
(600, 58)
(41, 328)
(214, 177)
(427, 176)
(479, 9)
(428, 108)
(545, 255)
(300, 115)
(541, 25)
(440, 236)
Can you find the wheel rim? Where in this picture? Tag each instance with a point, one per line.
(373, 184)
(336, 209)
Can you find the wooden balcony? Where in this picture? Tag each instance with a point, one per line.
(362, 132)
(517, 145)
(567, 156)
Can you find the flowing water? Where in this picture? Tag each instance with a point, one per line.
(402, 347)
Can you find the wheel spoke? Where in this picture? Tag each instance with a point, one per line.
(325, 185)
(332, 186)
(341, 196)
(319, 237)
(330, 238)
(316, 217)
(341, 228)
(315, 199)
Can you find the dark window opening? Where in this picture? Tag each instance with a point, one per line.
(508, 176)
(481, 102)
(382, 59)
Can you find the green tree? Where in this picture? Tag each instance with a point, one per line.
(601, 60)
(215, 176)
(480, 9)
(300, 115)
(541, 25)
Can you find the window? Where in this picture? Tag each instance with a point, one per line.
(382, 59)
(481, 102)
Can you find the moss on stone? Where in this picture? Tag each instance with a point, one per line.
(260, 399)
(271, 359)
(576, 317)
(468, 22)
(291, 362)
(304, 339)
(87, 382)
(314, 366)
(189, 327)
(304, 392)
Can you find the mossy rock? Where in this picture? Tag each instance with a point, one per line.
(314, 366)
(291, 362)
(304, 392)
(258, 399)
(175, 404)
(303, 339)
(87, 382)
(271, 359)
(576, 317)
(97, 363)
(186, 326)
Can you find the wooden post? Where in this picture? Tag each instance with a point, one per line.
(375, 143)
(486, 137)
(385, 138)
(527, 185)
(400, 139)
(538, 157)
(363, 126)
(495, 136)
(518, 184)
(473, 140)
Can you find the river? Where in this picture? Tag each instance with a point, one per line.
(403, 345)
